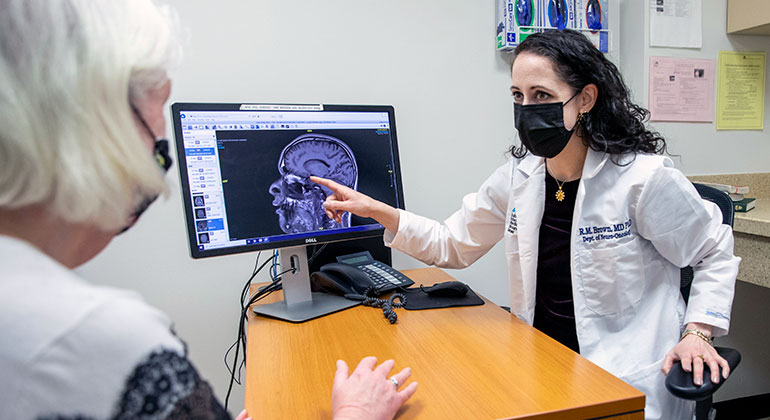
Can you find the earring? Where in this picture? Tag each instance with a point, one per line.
(581, 118)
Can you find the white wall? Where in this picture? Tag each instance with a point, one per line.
(434, 61)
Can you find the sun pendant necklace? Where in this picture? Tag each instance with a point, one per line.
(560, 193)
(560, 196)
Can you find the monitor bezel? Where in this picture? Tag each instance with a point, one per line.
(178, 107)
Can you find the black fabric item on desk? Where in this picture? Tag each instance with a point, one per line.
(416, 300)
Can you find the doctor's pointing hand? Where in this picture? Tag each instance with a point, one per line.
(346, 199)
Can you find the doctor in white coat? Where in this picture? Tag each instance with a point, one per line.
(596, 225)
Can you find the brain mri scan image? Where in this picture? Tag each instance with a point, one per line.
(298, 200)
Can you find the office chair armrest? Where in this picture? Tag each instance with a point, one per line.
(680, 384)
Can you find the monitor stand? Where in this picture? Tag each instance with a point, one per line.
(299, 303)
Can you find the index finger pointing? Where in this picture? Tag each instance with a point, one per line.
(328, 183)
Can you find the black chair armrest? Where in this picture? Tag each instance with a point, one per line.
(680, 384)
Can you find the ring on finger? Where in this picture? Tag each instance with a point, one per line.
(702, 357)
(395, 381)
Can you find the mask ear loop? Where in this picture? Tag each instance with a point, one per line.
(573, 97)
(582, 115)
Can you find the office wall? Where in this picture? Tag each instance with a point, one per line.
(433, 60)
(703, 150)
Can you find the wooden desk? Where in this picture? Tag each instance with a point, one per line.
(475, 362)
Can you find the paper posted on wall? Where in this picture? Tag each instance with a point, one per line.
(676, 23)
(741, 90)
(681, 89)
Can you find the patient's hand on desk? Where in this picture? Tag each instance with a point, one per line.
(369, 393)
(346, 199)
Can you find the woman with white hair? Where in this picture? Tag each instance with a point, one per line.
(83, 84)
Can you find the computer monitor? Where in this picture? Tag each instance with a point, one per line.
(244, 172)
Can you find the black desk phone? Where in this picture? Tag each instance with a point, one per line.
(354, 273)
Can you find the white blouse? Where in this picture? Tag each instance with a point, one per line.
(70, 349)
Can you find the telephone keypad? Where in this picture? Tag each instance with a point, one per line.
(379, 276)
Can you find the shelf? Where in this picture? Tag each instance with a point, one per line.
(601, 38)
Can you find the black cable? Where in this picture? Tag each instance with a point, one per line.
(316, 253)
(244, 292)
(244, 308)
(261, 294)
(274, 285)
(244, 311)
(387, 307)
(254, 273)
(240, 341)
(256, 262)
(369, 298)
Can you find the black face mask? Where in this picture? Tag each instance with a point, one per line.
(541, 127)
(164, 161)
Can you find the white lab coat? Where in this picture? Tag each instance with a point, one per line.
(633, 228)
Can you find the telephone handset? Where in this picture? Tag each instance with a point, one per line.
(354, 273)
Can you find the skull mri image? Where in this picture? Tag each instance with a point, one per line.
(265, 178)
(299, 201)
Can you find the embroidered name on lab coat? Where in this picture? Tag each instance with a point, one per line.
(512, 225)
(604, 233)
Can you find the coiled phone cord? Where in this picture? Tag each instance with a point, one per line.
(369, 298)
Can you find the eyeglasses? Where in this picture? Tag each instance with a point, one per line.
(161, 144)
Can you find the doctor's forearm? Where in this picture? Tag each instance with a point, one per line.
(386, 216)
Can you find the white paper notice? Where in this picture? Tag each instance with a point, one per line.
(675, 23)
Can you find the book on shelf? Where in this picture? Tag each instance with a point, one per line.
(744, 205)
(730, 189)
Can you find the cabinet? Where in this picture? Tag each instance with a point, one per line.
(748, 17)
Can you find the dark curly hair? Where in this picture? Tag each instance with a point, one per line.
(615, 125)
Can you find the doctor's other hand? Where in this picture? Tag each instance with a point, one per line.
(694, 352)
(347, 199)
(369, 393)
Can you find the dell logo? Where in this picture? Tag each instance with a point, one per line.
(311, 240)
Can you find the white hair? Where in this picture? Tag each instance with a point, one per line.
(68, 71)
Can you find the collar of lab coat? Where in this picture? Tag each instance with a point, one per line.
(595, 161)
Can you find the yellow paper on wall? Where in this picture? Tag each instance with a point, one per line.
(741, 90)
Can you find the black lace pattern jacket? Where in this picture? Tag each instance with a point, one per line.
(163, 386)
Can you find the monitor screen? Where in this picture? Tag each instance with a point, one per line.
(244, 172)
